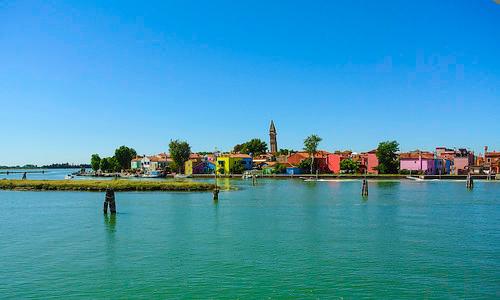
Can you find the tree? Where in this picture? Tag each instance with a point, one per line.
(124, 156)
(179, 151)
(95, 162)
(349, 165)
(311, 146)
(237, 167)
(114, 164)
(284, 152)
(104, 165)
(387, 157)
(306, 164)
(237, 148)
(253, 146)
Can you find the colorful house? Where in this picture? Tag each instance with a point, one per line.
(461, 159)
(491, 161)
(150, 163)
(418, 161)
(197, 166)
(135, 164)
(333, 162)
(293, 171)
(370, 161)
(225, 163)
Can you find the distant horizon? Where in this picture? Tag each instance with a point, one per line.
(89, 76)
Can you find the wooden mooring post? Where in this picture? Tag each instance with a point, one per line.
(216, 189)
(216, 194)
(470, 182)
(109, 201)
(364, 188)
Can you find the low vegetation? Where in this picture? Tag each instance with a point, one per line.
(102, 185)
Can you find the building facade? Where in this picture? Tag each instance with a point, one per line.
(225, 163)
(418, 161)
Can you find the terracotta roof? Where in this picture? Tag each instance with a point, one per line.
(157, 158)
(240, 155)
(318, 154)
(492, 154)
(416, 155)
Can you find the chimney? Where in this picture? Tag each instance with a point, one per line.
(485, 149)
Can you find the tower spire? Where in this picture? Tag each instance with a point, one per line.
(272, 138)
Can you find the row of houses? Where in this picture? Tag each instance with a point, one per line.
(442, 161)
(450, 161)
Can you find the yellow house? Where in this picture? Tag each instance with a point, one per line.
(226, 162)
(188, 167)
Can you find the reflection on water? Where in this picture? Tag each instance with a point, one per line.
(110, 222)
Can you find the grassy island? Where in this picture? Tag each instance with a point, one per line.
(101, 185)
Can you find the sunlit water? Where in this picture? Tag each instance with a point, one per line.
(279, 239)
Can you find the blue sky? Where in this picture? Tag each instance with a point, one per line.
(83, 77)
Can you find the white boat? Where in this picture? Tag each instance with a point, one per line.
(69, 176)
(414, 178)
(181, 176)
(152, 174)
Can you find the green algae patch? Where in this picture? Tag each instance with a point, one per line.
(102, 185)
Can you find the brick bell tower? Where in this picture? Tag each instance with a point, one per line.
(272, 138)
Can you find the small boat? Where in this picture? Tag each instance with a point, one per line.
(414, 178)
(181, 176)
(153, 174)
(69, 176)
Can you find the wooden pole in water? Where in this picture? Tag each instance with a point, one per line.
(24, 176)
(364, 188)
(109, 201)
(470, 183)
(216, 188)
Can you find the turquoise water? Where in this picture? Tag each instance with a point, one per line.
(36, 174)
(280, 239)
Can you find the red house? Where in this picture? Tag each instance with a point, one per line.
(368, 162)
(320, 158)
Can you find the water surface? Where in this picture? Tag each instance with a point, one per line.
(282, 238)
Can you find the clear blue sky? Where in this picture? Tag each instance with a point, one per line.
(83, 77)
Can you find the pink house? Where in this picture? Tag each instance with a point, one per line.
(418, 161)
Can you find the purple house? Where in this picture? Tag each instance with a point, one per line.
(418, 161)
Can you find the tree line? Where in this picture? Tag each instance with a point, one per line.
(120, 161)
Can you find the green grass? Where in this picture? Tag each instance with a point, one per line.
(101, 185)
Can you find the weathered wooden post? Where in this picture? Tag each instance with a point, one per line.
(470, 183)
(254, 179)
(216, 188)
(216, 194)
(109, 201)
(364, 188)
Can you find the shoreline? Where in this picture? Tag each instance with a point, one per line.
(350, 176)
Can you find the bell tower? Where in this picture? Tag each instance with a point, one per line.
(272, 138)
